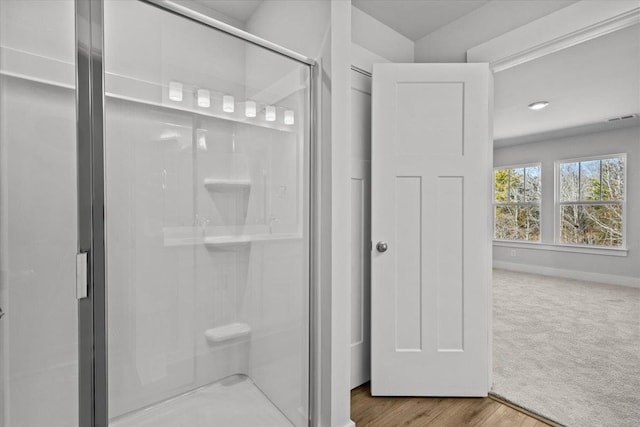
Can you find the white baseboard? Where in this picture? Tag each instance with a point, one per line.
(611, 279)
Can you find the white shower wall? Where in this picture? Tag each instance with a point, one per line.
(166, 287)
(38, 333)
(166, 291)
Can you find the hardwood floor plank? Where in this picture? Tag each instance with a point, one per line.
(525, 411)
(368, 411)
(465, 412)
(509, 417)
(405, 413)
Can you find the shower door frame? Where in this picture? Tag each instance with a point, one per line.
(90, 121)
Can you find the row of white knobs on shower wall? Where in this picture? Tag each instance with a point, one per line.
(203, 99)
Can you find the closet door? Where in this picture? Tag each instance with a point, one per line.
(431, 180)
(360, 229)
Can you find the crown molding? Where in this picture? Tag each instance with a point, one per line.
(572, 25)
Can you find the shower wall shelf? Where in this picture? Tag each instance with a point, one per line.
(28, 66)
(231, 241)
(227, 332)
(190, 236)
(226, 242)
(213, 184)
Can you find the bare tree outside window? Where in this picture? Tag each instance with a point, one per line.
(591, 201)
(517, 203)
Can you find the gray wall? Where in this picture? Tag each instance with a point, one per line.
(621, 140)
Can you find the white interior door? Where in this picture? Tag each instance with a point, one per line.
(431, 180)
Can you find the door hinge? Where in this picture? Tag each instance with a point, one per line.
(81, 275)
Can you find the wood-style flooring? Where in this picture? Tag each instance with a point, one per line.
(434, 411)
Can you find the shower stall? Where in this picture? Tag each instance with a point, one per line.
(177, 154)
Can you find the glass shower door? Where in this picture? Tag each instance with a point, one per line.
(207, 225)
(38, 215)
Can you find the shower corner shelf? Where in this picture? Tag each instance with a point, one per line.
(227, 332)
(214, 184)
(226, 242)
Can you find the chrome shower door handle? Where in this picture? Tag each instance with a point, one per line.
(382, 246)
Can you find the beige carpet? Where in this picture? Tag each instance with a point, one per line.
(566, 349)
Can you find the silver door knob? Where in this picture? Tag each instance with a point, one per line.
(382, 247)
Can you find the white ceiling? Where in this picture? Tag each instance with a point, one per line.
(240, 10)
(415, 19)
(412, 18)
(585, 84)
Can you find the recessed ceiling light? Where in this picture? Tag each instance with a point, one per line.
(538, 105)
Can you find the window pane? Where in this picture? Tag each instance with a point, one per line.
(501, 185)
(506, 220)
(517, 222)
(612, 179)
(516, 185)
(599, 225)
(590, 180)
(570, 224)
(569, 182)
(532, 184)
(529, 223)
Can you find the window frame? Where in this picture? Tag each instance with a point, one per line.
(496, 204)
(558, 204)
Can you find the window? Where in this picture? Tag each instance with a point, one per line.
(516, 199)
(590, 201)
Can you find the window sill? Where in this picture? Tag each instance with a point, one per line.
(562, 248)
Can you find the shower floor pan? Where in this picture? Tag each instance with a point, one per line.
(232, 402)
